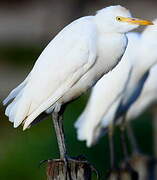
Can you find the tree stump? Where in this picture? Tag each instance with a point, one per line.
(75, 169)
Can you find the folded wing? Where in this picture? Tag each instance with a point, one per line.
(64, 61)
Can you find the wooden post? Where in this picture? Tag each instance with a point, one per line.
(75, 170)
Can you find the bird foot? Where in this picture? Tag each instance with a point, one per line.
(82, 159)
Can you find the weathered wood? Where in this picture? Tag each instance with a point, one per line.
(74, 170)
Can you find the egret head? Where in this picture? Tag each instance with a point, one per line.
(117, 19)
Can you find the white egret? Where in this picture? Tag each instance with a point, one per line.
(105, 108)
(106, 96)
(143, 57)
(72, 62)
(141, 163)
(104, 101)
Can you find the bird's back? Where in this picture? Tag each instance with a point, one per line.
(70, 47)
(147, 97)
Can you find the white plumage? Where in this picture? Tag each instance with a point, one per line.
(106, 94)
(107, 98)
(148, 96)
(72, 62)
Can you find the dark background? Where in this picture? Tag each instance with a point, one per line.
(26, 27)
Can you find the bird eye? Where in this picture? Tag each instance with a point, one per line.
(118, 18)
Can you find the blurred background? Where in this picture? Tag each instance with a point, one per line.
(26, 27)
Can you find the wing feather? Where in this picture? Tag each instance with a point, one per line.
(15, 91)
(58, 94)
(64, 61)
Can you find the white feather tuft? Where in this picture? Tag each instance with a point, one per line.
(15, 91)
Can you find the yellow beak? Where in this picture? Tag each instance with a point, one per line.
(136, 21)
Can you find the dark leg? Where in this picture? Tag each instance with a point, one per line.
(123, 136)
(114, 171)
(111, 145)
(132, 139)
(58, 125)
(66, 168)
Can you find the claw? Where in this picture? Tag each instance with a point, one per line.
(67, 168)
(95, 171)
(43, 162)
(81, 159)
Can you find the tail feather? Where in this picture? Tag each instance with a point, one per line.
(19, 114)
(12, 104)
(15, 91)
(79, 125)
(17, 110)
(79, 121)
(86, 129)
(12, 111)
(8, 109)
